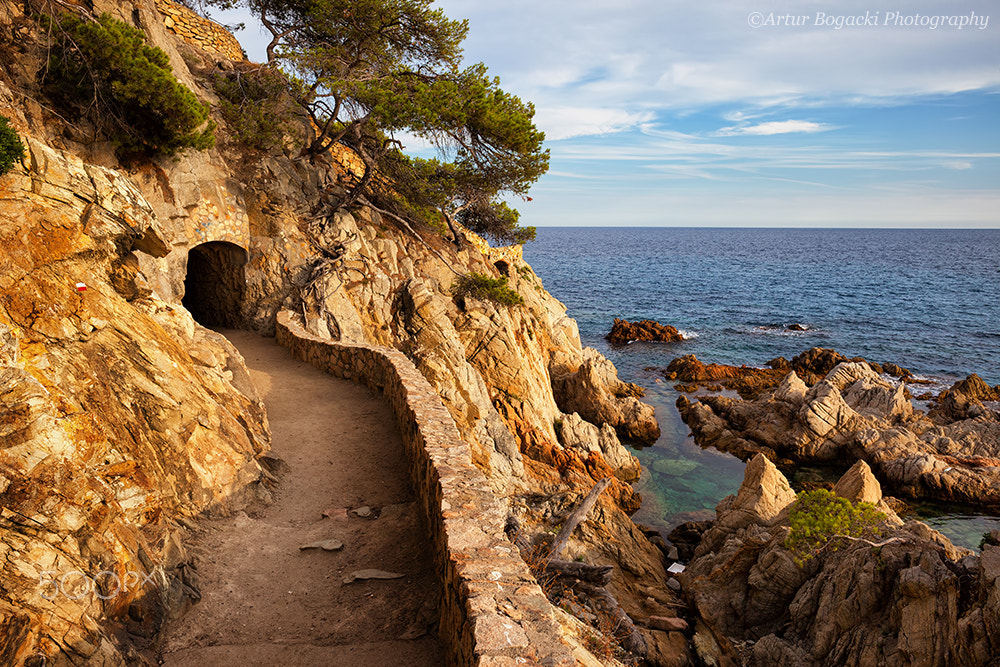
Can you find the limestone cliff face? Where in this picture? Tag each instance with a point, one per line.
(121, 414)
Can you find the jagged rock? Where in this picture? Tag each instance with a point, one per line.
(575, 432)
(595, 392)
(859, 485)
(858, 604)
(624, 332)
(764, 492)
(854, 412)
(964, 400)
(791, 390)
(825, 410)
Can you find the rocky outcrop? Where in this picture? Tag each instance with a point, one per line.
(810, 367)
(624, 332)
(743, 379)
(905, 597)
(594, 391)
(853, 413)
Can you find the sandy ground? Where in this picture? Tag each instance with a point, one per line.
(265, 601)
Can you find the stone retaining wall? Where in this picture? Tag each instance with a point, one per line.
(199, 31)
(493, 614)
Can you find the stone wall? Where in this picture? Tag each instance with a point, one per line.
(492, 613)
(199, 31)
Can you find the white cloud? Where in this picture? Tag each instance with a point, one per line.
(565, 122)
(773, 127)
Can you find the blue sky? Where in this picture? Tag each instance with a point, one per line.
(663, 112)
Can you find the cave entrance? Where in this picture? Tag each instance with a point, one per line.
(214, 284)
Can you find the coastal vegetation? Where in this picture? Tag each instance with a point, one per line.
(368, 71)
(108, 73)
(11, 148)
(480, 286)
(251, 102)
(818, 518)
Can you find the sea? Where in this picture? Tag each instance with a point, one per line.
(926, 300)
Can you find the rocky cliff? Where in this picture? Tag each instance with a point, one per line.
(123, 416)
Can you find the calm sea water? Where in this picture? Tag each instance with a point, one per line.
(924, 299)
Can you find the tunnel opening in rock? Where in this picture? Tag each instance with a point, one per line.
(503, 267)
(214, 284)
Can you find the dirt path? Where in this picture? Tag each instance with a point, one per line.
(265, 602)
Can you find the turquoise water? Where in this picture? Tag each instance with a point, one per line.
(923, 299)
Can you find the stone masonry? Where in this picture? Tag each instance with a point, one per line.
(493, 613)
(199, 31)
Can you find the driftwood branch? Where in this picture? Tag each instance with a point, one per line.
(599, 575)
(624, 629)
(578, 515)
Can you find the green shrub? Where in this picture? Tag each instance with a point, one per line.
(251, 102)
(126, 85)
(818, 517)
(479, 286)
(11, 148)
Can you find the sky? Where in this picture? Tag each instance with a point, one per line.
(757, 113)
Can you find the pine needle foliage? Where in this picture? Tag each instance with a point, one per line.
(11, 148)
(819, 517)
(482, 287)
(251, 100)
(126, 86)
(371, 71)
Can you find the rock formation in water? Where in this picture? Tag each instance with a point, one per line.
(952, 453)
(122, 417)
(905, 597)
(624, 332)
(810, 366)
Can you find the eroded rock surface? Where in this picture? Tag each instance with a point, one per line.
(117, 413)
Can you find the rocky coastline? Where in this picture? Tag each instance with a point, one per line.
(850, 411)
(125, 418)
